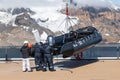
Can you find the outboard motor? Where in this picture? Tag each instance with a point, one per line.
(51, 40)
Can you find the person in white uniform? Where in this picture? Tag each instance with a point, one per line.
(25, 57)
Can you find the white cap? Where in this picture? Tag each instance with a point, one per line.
(25, 42)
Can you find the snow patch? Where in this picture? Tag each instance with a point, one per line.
(5, 17)
(107, 34)
(25, 27)
(56, 20)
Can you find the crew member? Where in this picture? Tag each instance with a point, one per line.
(48, 56)
(25, 54)
(38, 54)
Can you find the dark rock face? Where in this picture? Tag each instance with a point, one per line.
(22, 10)
(24, 19)
(17, 10)
(95, 10)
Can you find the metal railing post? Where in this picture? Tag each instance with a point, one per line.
(6, 55)
(118, 52)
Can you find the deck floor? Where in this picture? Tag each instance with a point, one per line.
(65, 70)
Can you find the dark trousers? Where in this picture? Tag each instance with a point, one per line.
(37, 60)
(48, 61)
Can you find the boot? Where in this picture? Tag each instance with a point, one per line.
(30, 70)
(44, 68)
(52, 69)
(37, 68)
(24, 70)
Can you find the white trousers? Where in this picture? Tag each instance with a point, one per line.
(26, 64)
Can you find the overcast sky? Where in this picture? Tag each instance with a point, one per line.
(37, 3)
(27, 3)
(100, 3)
(116, 2)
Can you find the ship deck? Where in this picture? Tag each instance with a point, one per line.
(65, 70)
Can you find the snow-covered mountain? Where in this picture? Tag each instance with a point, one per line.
(51, 18)
(8, 16)
(48, 16)
(49, 9)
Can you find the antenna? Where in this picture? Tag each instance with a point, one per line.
(67, 12)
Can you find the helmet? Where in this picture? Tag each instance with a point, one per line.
(51, 40)
(25, 42)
